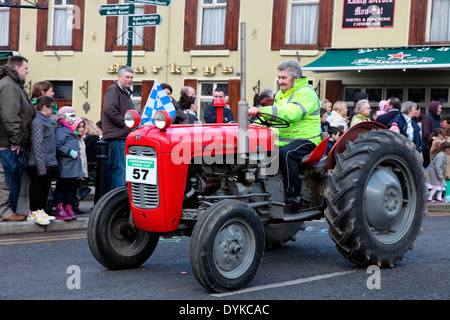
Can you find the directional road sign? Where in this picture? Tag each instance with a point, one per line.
(116, 9)
(163, 3)
(146, 20)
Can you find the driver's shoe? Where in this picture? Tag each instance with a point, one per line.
(295, 201)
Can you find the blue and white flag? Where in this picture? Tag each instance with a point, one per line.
(157, 100)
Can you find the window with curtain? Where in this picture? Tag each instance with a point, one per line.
(302, 21)
(213, 22)
(138, 33)
(4, 26)
(62, 22)
(439, 21)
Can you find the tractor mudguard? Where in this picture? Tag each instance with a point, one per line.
(350, 135)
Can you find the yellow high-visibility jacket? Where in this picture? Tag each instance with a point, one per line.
(300, 106)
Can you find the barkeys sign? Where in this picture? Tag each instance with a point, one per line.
(368, 14)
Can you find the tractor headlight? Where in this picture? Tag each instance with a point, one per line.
(132, 119)
(162, 120)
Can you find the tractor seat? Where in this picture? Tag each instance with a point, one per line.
(314, 157)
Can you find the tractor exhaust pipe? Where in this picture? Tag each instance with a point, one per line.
(242, 140)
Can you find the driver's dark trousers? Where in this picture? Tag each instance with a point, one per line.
(290, 156)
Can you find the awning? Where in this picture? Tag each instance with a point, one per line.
(5, 54)
(335, 60)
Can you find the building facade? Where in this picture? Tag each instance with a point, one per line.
(198, 43)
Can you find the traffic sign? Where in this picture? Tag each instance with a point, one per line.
(146, 20)
(163, 3)
(116, 9)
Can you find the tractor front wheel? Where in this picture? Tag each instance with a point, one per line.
(227, 246)
(113, 238)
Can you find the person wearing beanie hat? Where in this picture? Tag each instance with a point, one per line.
(69, 163)
(430, 122)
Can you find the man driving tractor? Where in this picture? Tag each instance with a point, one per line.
(298, 104)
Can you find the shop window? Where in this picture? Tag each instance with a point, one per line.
(302, 24)
(374, 94)
(416, 95)
(9, 28)
(429, 22)
(394, 92)
(138, 32)
(61, 27)
(211, 24)
(62, 22)
(4, 26)
(116, 35)
(438, 25)
(349, 93)
(206, 95)
(63, 93)
(211, 27)
(439, 94)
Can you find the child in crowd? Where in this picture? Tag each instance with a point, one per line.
(435, 171)
(79, 126)
(324, 124)
(69, 163)
(437, 137)
(333, 136)
(41, 159)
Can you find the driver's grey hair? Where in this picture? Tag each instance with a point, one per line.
(292, 67)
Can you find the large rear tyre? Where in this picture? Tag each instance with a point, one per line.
(113, 239)
(376, 198)
(277, 234)
(227, 246)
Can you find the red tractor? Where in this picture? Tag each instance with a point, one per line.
(218, 184)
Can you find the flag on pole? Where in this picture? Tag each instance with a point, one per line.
(157, 100)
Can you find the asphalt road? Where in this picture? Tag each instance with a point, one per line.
(60, 266)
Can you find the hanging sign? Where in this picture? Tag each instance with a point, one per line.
(368, 14)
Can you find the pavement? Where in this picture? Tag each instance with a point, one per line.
(10, 228)
(20, 227)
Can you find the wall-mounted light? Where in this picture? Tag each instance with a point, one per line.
(85, 89)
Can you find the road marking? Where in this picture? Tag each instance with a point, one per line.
(41, 239)
(284, 284)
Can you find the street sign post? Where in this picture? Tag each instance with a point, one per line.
(146, 20)
(163, 3)
(116, 9)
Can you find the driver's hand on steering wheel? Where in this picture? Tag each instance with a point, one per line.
(253, 111)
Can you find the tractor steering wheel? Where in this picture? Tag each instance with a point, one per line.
(277, 123)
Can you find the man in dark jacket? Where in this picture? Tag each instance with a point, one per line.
(393, 108)
(211, 111)
(14, 130)
(116, 102)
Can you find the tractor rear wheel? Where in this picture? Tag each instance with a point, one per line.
(227, 246)
(113, 239)
(376, 198)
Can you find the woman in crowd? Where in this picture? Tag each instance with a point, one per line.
(407, 124)
(338, 116)
(362, 112)
(430, 122)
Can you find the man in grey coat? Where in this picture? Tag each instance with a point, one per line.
(14, 130)
(116, 102)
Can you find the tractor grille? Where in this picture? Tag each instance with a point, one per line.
(144, 196)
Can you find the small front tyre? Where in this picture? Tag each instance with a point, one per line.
(227, 246)
(113, 238)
